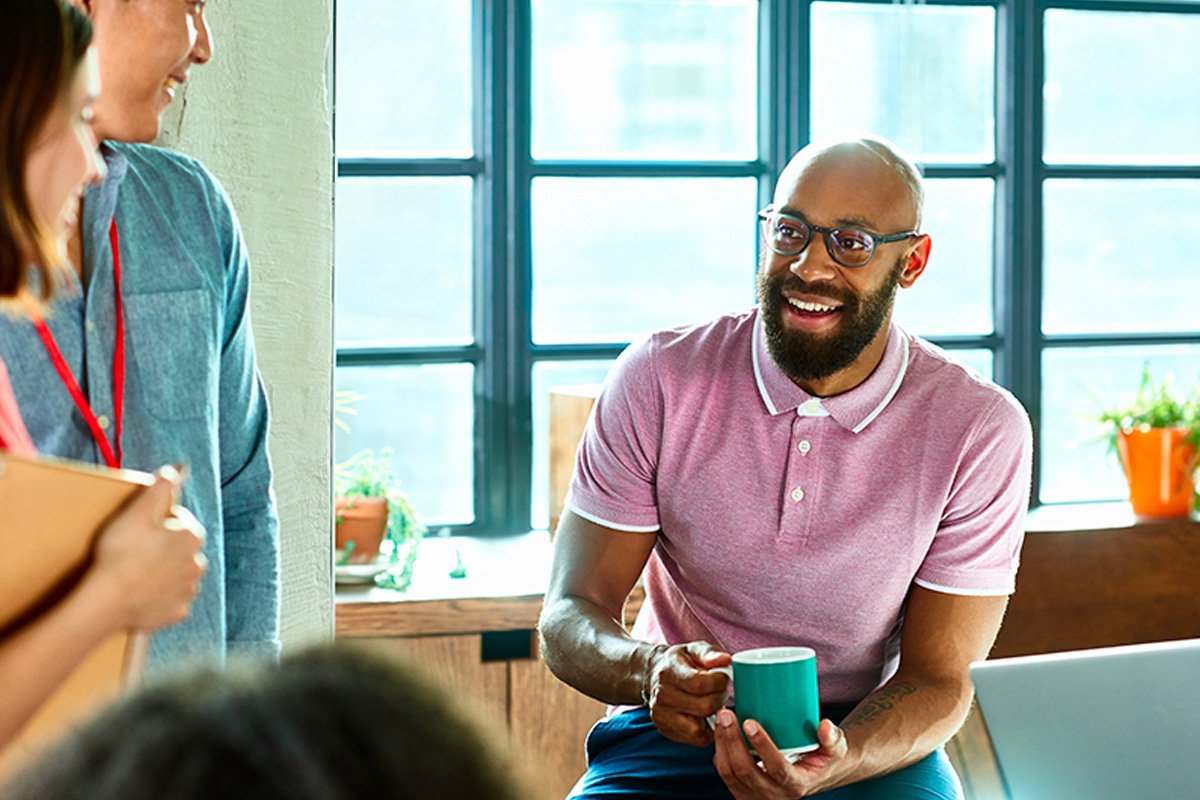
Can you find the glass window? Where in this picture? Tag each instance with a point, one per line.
(403, 248)
(644, 79)
(924, 76)
(1120, 256)
(547, 375)
(954, 295)
(425, 414)
(1121, 87)
(665, 112)
(403, 78)
(1076, 384)
(615, 258)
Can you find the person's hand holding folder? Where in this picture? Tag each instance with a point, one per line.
(88, 579)
(149, 560)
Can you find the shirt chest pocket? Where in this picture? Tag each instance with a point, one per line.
(173, 347)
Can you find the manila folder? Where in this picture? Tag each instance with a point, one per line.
(50, 513)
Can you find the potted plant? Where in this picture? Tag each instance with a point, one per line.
(374, 517)
(1157, 436)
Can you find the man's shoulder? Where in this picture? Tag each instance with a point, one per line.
(672, 358)
(953, 386)
(160, 168)
(161, 184)
(708, 339)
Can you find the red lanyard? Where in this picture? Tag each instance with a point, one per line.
(110, 452)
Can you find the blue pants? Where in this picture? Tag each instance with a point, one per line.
(628, 757)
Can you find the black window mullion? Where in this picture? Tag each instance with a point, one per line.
(397, 167)
(644, 169)
(517, 270)
(490, 20)
(1018, 300)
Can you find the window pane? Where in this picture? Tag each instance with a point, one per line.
(1121, 87)
(403, 78)
(923, 76)
(546, 376)
(615, 258)
(1120, 256)
(954, 295)
(426, 415)
(403, 249)
(1076, 384)
(645, 79)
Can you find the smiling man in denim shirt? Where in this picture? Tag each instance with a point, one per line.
(158, 246)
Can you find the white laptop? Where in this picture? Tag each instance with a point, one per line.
(1117, 722)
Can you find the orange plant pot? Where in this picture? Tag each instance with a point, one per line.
(1159, 467)
(362, 520)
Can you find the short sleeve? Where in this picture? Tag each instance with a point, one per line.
(977, 547)
(616, 464)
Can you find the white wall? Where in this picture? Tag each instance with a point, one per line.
(258, 115)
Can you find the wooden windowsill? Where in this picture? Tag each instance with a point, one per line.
(502, 590)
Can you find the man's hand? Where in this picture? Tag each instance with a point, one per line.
(684, 690)
(773, 776)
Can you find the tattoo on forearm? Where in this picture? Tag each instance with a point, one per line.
(883, 700)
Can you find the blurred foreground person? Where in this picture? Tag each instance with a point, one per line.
(329, 723)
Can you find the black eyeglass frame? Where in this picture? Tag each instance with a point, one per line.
(876, 239)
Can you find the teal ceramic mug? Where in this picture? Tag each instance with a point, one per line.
(777, 688)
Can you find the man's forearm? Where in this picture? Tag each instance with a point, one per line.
(900, 723)
(589, 650)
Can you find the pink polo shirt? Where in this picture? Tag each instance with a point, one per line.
(786, 519)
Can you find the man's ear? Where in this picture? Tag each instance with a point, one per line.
(915, 260)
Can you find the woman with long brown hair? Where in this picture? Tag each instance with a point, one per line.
(146, 564)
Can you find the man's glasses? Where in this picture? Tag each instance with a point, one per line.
(850, 247)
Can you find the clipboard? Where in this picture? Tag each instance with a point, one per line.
(50, 513)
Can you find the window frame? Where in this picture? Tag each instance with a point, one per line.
(503, 170)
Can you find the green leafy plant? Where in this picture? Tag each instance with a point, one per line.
(1155, 405)
(369, 474)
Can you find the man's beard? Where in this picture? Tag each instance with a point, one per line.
(805, 357)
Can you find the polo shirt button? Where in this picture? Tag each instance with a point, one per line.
(813, 406)
(804, 446)
(797, 494)
(91, 326)
(103, 422)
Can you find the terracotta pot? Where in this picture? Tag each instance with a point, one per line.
(362, 520)
(1159, 467)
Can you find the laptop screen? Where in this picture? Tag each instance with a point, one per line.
(1117, 722)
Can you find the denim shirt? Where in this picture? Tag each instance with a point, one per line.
(193, 394)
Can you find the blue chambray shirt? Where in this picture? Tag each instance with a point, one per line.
(193, 394)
